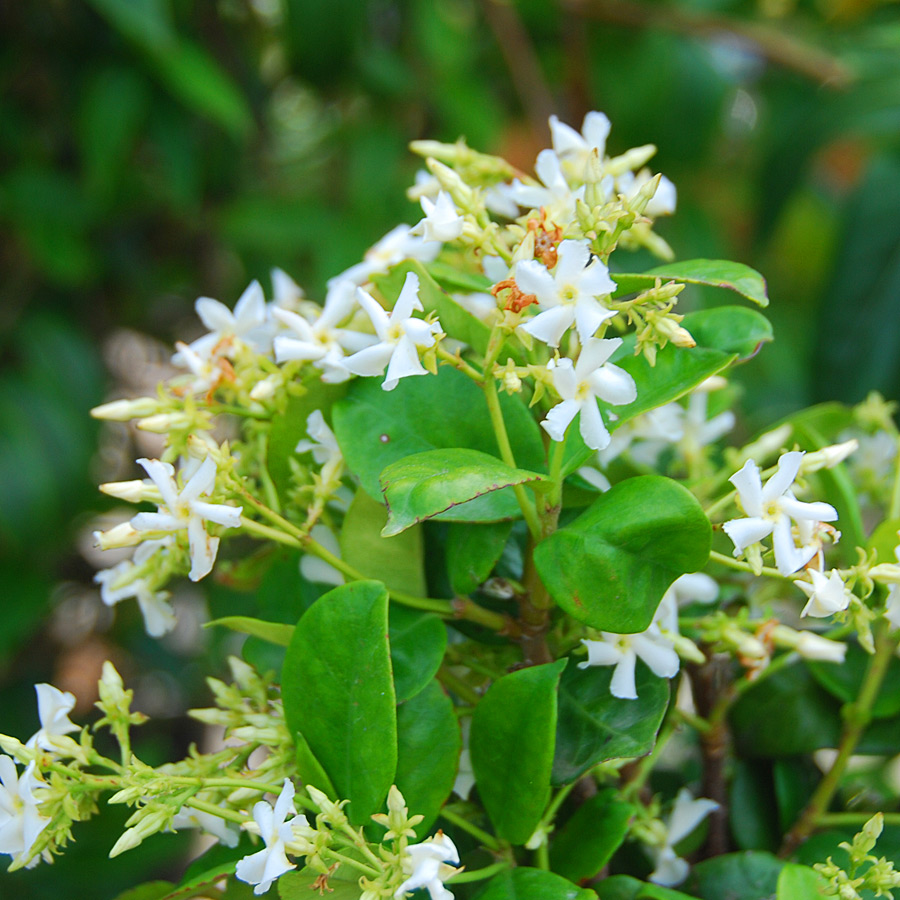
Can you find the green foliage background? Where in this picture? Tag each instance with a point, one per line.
(154, 150)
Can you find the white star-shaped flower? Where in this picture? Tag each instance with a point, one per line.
(20, 820)
(826, 595)
(771, 508)
(569, 145)
(663, 201)
(54, 707)
(553, 194)
(568, 296)
(262, 868)
(400, 336)
(398, 244)
(185, 511)
(581, 385)
(687, 813)
(442, 221)
(426, 863)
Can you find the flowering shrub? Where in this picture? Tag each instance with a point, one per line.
(569, 632)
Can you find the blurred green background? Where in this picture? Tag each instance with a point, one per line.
(155, 150)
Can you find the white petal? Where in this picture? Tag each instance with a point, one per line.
(203, 549)
(622, 683)
(788, 466)
(592, 428)
(565, 139)
(408, 299)
(159, 619)
(660, 657)
(744, 532)
(560, 417)
(370, 361)
(162, 474)
(573, 257)
(596, 280)
(613, 385)
(220, 513)
(590, 314)
(812, 512)
(670, 869)
(533, 278)
(375, 312)
(600, 653)
(788, 557)
(250, 310)
(595, 129)
(216, 316)
(201, 482)
(687, 814)
(551, 325)
(404, 362)
(749, 487)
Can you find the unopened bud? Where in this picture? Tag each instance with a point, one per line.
(123, 410)
(123, 535)
(668, 327)
(828, 457)
(130, 491)
(450, 181)
(809, 645)
(764, 447)
(165, 422)
(266, 388)
(598, 185)
(631, 160)
(642, 198)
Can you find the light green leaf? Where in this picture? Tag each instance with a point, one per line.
(428, 747)
(397, 560)
(610, 567)
(273, 632)
(418, 640)
(593, 726)
(523, 883)
(799, 883)
(713, 272)
(426, 484)
(511, 745)
(338, 693)
(343, 884)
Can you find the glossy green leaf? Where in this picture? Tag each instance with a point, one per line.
(721, 273)
(418, 640)
(454, 319)
(343, 884)
(752, 809)
(523, 883)
(610, 567)
(587, 841)
(750, 875)
(511, 744)
(799, 883)
(397, 561)
(472, 552)
(424, 485)
(844, 681)
(339, 694)
(428, 747)
(376, 428)
(152, 890)
(450, 278)
(783, 700)
(795, 778)
(724, 335)
(593, 726)
(273, 632)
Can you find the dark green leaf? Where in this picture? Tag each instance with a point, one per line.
(472, 552)
(752, 810)
(594, 726)
(339, 694)
(152, 890)
(751, 875)
(586, 843)
(426, 484)
(845, 680)
(795, 779)
(620, 887)
(532, 884)
(273, 632)
(428, 747)
(611, 566)
(511, 745)
(451, 278)
(396, 560)
(459, 323)
(418, 641)
(713, 272)
(376, 428)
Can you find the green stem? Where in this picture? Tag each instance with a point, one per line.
(542, 855)
(857, 716)
(731, 563)
(231, 814)
(272, 534)
(354, 863)
(455, 360)
(506, 454)
(646, 764)
(458, 686)
(487, 840)
(855, 818)
(477, 874)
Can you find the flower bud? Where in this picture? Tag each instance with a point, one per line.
(162, 423)
(123, 535)
(123, 410)
(130, 491)
(828, 457)
(632, 159)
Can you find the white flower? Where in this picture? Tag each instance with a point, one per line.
(399, 337)
(623, 651)
(263, 867)
(397, 245)
(442, 222)
(694, 587)
(663, 201)
(54, 707)
(572, 146)
(826, 595)
(581, 385)
(185, 510)
(553, 194)
(321, 341)
(207, 823)
(426, 864)
(770, 510)
(686, 815)
(568, 296)
(129, 578)
(20, 821)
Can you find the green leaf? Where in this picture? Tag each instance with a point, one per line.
(418, 640)
(799, 883)
(454, 319)
(620, 887)
(343, 884)
(152, 890)
(593, 726)
(472, 552)
(783, 700)
(397, 560)
(611, 566)
(721, 273)
(844, 681)
(428, 747)
(426, 484)
(190, 887)
(795, 778)
(273, 632)
(523, 883)
(511, 745)
(884, 540)
(658, 892)
(339, 694)
(724, 335)
(452, 278)
(751, 875)
(376, 428)
(752, 810)
(586, 843)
